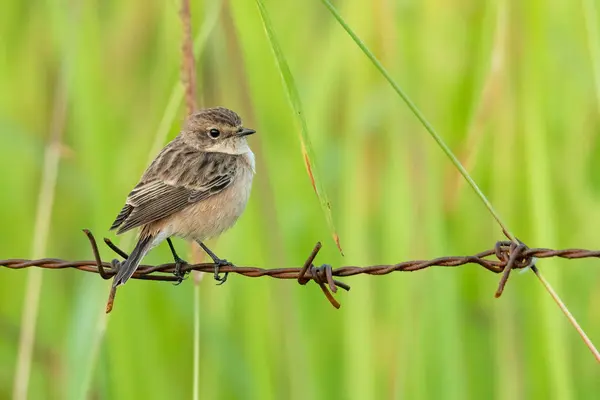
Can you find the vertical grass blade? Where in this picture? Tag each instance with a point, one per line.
(177, 93)
(86, 349)
(590, 16)
(188, 77)
(40, 238)
(188, 62)
(196, 378)
(294, 99)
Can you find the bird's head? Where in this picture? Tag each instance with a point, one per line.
(217, 130)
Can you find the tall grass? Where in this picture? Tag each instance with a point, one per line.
(433, 334)
(45, 205)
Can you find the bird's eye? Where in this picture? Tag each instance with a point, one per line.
(214, 133)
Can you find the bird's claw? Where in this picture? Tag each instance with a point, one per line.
(218, 264)
(179, 274)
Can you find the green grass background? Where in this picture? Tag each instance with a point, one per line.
(513, 87)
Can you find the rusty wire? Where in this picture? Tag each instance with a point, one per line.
(508, 256)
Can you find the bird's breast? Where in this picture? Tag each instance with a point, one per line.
(211, 217)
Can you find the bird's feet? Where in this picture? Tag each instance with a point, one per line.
(218, 264)
(179, 274)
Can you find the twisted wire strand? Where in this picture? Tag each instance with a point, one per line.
(504, 257)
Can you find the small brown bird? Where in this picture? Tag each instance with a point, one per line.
(195, 189)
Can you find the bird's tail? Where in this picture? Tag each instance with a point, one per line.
(128, 267)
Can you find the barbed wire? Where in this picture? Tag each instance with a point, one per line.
(503, 258)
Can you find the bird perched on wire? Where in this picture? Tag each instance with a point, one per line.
(195, 189)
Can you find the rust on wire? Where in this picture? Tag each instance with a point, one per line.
(503, 258)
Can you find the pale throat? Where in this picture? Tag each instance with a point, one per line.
(235, 147)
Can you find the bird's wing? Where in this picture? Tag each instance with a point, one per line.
(179, 176)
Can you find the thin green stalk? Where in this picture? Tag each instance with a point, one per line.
(568, 314)
(418, 114)
(40, 239)
(296, 105)
(176, 97)
(593, 35)
(159, 137)
(196, 340)
(591, 28)
(458, 165)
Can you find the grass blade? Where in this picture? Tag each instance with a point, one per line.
(296, 104)
(40, 238)
(177, 93)
(196, 369)
(457, 164)
(417, 113)
(97, 327)
(592, 32)
(568, 314)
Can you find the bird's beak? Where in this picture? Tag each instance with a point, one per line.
(245, 132)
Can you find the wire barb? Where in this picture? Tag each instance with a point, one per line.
(508, 256)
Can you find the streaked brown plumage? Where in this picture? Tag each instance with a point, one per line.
(196, 188)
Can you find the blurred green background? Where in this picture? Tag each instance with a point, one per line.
(514, 89)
